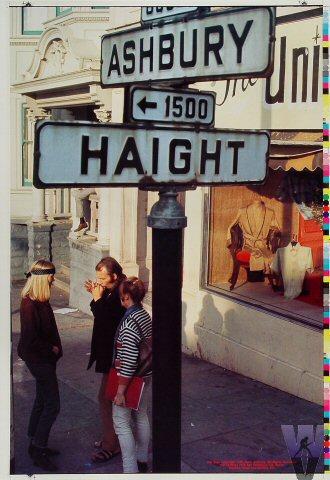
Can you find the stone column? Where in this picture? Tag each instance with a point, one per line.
(134, 233)
(123, 208)
(103, 238)
(117, 222)
(152, 198)
(130, 230)
(38, 196)
(60, 242)
(38, 205)
(39, 241)
(117, 194)
(104, 116)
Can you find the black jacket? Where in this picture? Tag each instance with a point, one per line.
(107, 312)
(38, 333)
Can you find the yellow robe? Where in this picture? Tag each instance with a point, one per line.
(255, 221)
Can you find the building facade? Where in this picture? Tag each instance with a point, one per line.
(235, 314)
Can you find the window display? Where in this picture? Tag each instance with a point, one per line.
(256, 220)
(250, 242)
(265, 243)
(292, 262)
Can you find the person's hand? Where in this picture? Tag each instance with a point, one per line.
(119, 400)
(56, 350)
(97, 291)
(89, 285)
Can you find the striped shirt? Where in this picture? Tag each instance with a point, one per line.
(128, 341)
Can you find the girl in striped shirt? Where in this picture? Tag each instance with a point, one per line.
(136, 322)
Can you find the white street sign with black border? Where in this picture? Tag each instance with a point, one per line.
(93, 154)
(232, 44)
(154, 14)
(171, 106)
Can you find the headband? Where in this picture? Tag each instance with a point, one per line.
(40, 271)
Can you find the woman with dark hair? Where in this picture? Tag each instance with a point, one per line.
(107, 311)
(134, 327)
(40, 348)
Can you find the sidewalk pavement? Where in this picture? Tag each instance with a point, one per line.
(225, 416)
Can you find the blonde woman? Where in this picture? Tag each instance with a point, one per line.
(40, 348)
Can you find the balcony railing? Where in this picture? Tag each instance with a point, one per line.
(58, 203)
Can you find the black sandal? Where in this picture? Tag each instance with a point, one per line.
(103, 456)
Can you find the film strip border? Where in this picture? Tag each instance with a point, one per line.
(326, 198)
(326, 427)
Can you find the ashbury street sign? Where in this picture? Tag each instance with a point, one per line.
(93, 154)
(152, 14)
(238, 43)
(171, 106)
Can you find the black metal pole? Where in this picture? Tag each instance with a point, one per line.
(167, 220)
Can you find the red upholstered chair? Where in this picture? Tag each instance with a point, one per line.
(311, 235)
(313, 288)
(240, 257)
(243, 257)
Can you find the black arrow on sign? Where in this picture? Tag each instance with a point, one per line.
(143, 104)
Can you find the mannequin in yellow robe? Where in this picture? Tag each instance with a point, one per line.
(256, 220)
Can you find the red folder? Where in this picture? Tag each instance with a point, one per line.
(133, 392)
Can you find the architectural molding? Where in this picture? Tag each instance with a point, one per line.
(102, 98)
(103, 115)
(23, 43)
(75, 17)
(58, 51)
(38, 114)
(87, 20)
(57, 82)
(35, 112)
(123, 19)
(65, 100)
(56, 54)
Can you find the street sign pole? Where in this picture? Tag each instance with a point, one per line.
(167, 221)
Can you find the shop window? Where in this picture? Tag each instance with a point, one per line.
(26, 164)
(62, 10)
(265, 244)
(32, 20)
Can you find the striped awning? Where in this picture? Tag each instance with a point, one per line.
(296, 151)
(311, 162)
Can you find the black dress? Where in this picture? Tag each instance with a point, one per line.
(38, 333)
(107, 312)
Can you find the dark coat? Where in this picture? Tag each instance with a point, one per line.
(107, 312)
(38, 333)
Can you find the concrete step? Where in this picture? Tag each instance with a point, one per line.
(62, 282)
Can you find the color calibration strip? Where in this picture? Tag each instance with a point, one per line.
(326, 195)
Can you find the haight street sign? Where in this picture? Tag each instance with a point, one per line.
(154, 14)
(171, 106)
(231, 44)
(93, 154)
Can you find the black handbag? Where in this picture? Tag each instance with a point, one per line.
(145, 354)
